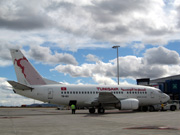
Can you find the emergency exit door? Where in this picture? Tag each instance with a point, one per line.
(50, 93)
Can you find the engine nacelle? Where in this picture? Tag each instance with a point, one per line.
(129, 104)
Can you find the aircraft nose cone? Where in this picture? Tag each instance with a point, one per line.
(166, 98)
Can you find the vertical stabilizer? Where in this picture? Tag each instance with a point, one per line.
(25, 72)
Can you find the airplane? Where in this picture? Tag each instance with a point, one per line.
(94, 97)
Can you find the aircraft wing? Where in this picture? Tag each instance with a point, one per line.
(19, 86)
(107, 98)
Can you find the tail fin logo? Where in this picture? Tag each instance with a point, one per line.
(20, 65)
(28, 71)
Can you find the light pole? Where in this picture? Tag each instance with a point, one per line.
(116, 47)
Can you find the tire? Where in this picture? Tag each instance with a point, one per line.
(144, 108)
(101, 110)
(173, 108)
(151, 109)
(92, 110)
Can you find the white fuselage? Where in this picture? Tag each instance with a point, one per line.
(86, 94)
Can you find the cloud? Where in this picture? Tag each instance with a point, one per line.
(125, 21)
(107, 10)
(152, 65)
(161, 56)
(137, 47)
(91, 57)
(72, 25)
(38, 53)
(9, 98)
(102, 80)
(74, 71)
(176, 4)
(5, 57)
(18, 15)
(44, 55)
(4, 84)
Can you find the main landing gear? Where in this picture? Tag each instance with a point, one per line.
(92, 110)
(101, 110)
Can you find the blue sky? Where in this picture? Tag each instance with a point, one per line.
(71, 41)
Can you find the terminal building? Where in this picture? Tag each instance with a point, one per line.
(169, 85)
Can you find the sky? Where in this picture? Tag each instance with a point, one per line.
(70, 41)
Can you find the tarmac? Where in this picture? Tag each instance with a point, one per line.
(49, 121)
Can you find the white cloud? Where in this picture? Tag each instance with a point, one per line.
(161, 56)
(91, 57)
(5, 58)
(152, 65)
(137, 47)
(9, 98)
(44, 55)
(4, 84)
(75, 71)
(72, 25)
(38, 53)
(102, 80)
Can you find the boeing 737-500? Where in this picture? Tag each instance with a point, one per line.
(124, 97)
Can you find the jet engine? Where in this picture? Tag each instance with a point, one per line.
(128, 104)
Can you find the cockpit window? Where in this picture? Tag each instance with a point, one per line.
(160, 91)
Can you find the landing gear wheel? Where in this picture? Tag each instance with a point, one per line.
(173, 108)
(144, 108)
(101, 110)
(92, 110)
(151, 109)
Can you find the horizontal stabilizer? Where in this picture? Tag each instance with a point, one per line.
(19, 86)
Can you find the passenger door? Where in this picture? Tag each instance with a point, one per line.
(50, 93)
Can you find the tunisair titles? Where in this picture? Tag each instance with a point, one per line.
(115, 88)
